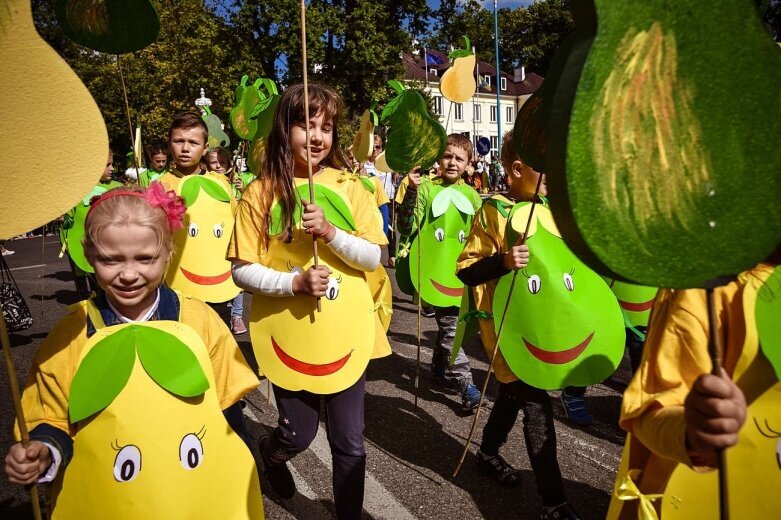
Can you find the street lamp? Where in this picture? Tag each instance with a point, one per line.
(202, 102)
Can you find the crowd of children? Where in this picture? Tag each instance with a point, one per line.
(671, 409)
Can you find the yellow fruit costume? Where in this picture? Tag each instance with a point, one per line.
(143, 404)
(297, 347)
(655, 474)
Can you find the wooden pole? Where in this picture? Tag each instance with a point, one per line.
(136, 160)
(420, 301)
(715, 350)
(308, 141)
(16, 396)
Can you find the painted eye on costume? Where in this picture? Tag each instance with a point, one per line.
(192, 229)
(439, 234)
(534, 283)
(461, 236)
(191, 451)
(332, 291)
(218, 230)
(127, 464)
(569, 283)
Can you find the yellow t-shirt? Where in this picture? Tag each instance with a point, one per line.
(399, 198)
(675, 353)
(380, 197)
(486, 238)
(45, 397)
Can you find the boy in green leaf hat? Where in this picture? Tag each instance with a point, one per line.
(442, 210)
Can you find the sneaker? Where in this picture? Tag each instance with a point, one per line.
(237, 325)
(561, 512)
(575, 409)
(470, 398)
(278, 475)
(498, 468)
(427, 312)
(8, 252)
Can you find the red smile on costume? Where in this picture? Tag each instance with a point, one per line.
(309, 369)
(561, 357)
(205, 280)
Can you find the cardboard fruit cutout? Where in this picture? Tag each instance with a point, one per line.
(636, 301)
(458, 82)
(198, 267)
(363, 143)
(247, 96)
(414, 138)
(563, 326)
(381, 164)
(112, 26)
(33, 71)
(753, 477)
(217, 136)
(768, 313)
(74, 233)
(402, 268)
(443, 233)
(297, 347)
(639, 162)
(151, 440)
(263, 113)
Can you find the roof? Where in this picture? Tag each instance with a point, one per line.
(415, 69)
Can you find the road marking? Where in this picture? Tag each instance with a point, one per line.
(27, 267)
(378, 501)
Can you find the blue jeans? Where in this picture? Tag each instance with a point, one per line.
(237, 305)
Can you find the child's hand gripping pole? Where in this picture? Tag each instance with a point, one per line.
(521, 241)
(17, 399)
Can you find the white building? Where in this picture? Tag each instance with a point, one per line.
(477, 117)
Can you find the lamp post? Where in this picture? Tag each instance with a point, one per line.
(202, 102)
(498, 79)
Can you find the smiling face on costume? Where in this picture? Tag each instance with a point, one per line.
(187, 148)
(129, 265)
(453, 163)
(321, 133)
(563, 326)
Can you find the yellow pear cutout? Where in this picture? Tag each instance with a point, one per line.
(198, 267)
(50, 125)
(381, 164)
(753, 476)
(363, 143)
(458, 82)
(152, 455)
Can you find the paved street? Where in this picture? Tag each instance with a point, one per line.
(411, 452)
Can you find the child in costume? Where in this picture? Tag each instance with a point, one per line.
(219, 161)
(444, 293)
(310, 355)
(188, 141)
(678, 415)
(157, 160)
(484, 260)
(128, 241)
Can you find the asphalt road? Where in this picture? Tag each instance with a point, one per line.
(411, 452)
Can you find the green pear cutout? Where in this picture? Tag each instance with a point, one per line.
(767, 315)
(217, 136)
(74, 235)
(112, 26)
(414, 138)
(661, 174)
(563, 325)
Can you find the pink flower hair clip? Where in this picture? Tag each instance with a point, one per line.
(172, 204)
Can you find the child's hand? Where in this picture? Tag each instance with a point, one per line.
(25, 465)
(414, 176)
(516, 258)
(715, 410)
(315, 222)
(238, 182)
(312, 282)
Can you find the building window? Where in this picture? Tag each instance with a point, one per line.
(476, 113)
(509, 114)
(492, 117)
(459, 109)
(487, 80)
(504, 83)
(433, 72)
(438, 105)
(494, 144)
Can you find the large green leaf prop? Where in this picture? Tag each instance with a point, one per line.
(335, 209)
(768, 314)
(217, 136)
(74, 235)
(563, 325)
(193, 185)
(112, 26)
(414, 138)
(442, 236)
(661, 175)
(402, 269)
(263, 115)
(106, 368)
